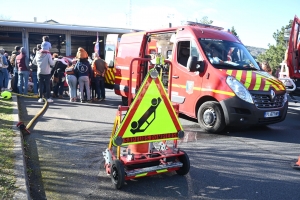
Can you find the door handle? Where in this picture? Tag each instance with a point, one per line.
(175, 77)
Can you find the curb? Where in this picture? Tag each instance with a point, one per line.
(22, 183)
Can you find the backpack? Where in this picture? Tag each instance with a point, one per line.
(12, 59)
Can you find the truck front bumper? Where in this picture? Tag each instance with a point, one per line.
(238, 113)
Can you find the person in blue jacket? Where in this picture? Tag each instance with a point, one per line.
(83, 72)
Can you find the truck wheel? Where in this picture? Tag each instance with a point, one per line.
(186, 164)
(117, 174)
(125, 101)
(210, 117)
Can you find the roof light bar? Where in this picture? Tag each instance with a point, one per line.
(190, 23)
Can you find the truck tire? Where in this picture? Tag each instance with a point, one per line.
(125, 101)
(211, 117)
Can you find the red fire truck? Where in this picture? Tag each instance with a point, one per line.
(293, 61)
(214, 77)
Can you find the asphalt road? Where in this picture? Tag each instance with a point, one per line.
(66, 144)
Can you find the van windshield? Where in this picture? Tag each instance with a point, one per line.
(224, 54)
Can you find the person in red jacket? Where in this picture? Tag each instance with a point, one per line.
(22, 62)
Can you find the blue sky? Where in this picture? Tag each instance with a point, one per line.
(254, 20)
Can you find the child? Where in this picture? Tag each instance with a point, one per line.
(46, 45)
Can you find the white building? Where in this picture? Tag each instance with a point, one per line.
(65, 38)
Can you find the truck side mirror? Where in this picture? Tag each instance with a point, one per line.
(194, 65)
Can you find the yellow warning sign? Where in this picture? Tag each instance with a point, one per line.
(151, 116)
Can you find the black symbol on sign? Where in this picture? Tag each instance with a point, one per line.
(136, 125)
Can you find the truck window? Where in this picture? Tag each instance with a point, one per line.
(183, 51)
(224, 54)
(194, 50)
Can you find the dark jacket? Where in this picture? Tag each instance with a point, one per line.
(10, 67)
(33, 67)
(83, 68)
(59, 68)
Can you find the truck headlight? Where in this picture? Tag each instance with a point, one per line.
(239, 89)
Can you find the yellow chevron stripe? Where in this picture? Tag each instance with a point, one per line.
(239, 75)
(109, 76)
(248, 79)
(279, 85)
(229, 72)
(274, 86)
(124, 78)
(161, 171)
(257, 82)
(140, 175)
(267, 86)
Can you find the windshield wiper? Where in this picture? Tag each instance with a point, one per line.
(249, 68)
(226, 66)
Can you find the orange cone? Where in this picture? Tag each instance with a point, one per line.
(297, 164)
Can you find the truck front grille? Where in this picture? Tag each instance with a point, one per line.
(264, 101)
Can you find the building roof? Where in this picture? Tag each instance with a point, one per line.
(51, 21)
(50, 24)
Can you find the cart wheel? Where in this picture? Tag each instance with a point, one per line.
(117, 174)
(186, 164)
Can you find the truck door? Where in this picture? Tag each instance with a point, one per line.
(293, 59)
(131, 46)
(185, 84)
(111, 49)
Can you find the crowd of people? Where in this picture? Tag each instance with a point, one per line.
(43, 72)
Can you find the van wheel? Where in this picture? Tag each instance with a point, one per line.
(210, 117)
(125, 101)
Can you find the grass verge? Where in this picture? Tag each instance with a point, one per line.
(7, 178)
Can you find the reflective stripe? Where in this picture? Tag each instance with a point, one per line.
(267, 86)
(161, 171)
(178, 86)
(248, 79)
(140, 175)
(268, 83)
(257, 82)
(207, 89)
(229, 72)
(219, 91)
(239, 75)
(124, 78)
(110, 76)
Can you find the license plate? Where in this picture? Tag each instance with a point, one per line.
(272, 114)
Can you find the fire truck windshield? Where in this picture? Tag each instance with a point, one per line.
(224, 54)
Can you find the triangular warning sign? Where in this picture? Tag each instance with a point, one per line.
(151, 116)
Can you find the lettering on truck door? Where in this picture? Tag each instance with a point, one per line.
(186, 85)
